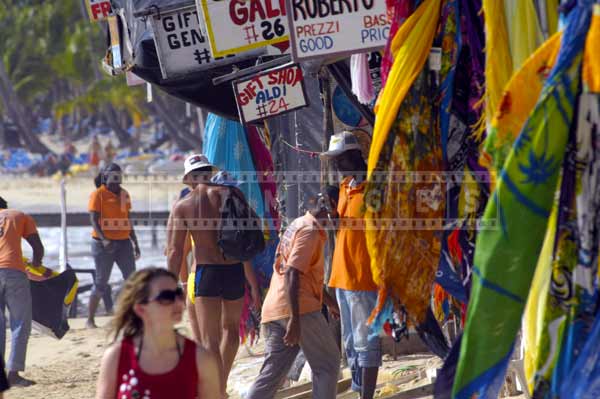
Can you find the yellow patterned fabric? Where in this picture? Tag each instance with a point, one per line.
(524, 30)
(536, 302)
(517, 104)
(499, 64)
(410, 47)
(591, 70)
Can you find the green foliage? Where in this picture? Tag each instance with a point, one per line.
(52, 54)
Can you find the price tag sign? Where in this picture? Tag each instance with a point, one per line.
(270, 93)
(183, 46)
(320, 28)
(234, 26)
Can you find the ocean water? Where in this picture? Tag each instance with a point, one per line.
(79, 250)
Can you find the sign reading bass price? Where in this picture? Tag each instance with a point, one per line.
(270, 93)
(336, 27)
(235, 26)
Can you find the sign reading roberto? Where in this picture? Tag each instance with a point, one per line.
(182, 44)
(336, 27)
(234, 26)
(270, 93)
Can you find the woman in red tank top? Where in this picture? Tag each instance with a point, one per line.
(149, 359)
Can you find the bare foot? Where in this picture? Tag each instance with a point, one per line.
(91, 324)
(15, 380)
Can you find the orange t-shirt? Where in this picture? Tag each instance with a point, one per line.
(351, 264)
(301, 247)
(114, 213)
(14, 225)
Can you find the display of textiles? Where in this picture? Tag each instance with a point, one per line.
(412, 143)
(467, 190)
(506, 256)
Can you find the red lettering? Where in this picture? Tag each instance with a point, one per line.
(367, 21)
(96, 10)
(257, 80)
(239, 15)
(256, 7)
(283, 104)
(106, 8)
(272, 108)
(297, 77)
(271, 13)
(243, 98)
(272, 78)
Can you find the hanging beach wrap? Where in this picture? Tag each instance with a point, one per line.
(411, 143)
(410, 47)
(506, 256)
(516, 104)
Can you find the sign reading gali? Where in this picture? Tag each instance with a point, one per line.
(270, 93)
(182, 46)
(336, 27)
(234, 26)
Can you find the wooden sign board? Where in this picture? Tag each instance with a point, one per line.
(99, 10)
(182, 44)
(234, 26)
(270, 93)
(320, 28)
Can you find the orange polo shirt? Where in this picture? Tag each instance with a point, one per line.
(351, 265)
(14, 225)
(301, 247)
(114, 213)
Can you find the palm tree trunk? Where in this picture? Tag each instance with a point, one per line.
(15, 109)
(112, 118)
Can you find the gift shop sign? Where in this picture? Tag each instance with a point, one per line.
(182, 44)
(270, 93)
(234, 26)
(99, 10)
(336, 27)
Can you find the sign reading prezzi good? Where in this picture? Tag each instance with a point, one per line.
(270, 93)
(234, 26)
(336, 27)
(182, 46)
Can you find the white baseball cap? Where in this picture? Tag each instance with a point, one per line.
(340, 143)
(196, 161)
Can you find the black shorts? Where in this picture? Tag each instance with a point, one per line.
(226, 281)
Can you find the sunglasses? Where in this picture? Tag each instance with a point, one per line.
(167, 297)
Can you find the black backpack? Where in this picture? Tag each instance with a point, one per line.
(241, 236)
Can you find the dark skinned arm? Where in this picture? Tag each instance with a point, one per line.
(176, 233)
(38, 248)
(292, 285)
(95, 219)
(331, 304)
(133, 237)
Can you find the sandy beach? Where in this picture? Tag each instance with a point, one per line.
(68, 368)
(42, 194)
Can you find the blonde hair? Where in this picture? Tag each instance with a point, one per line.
(135, 290)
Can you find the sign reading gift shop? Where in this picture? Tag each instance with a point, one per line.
(99, 10)
(336, 27)
(234, 26)
(270, 93)
(183, 46)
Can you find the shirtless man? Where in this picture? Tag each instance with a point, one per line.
(219, 284)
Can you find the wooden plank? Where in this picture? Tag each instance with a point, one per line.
(398, 381)
(306, 393)
(414, 393)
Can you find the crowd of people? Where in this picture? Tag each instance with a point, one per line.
(148, 357)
